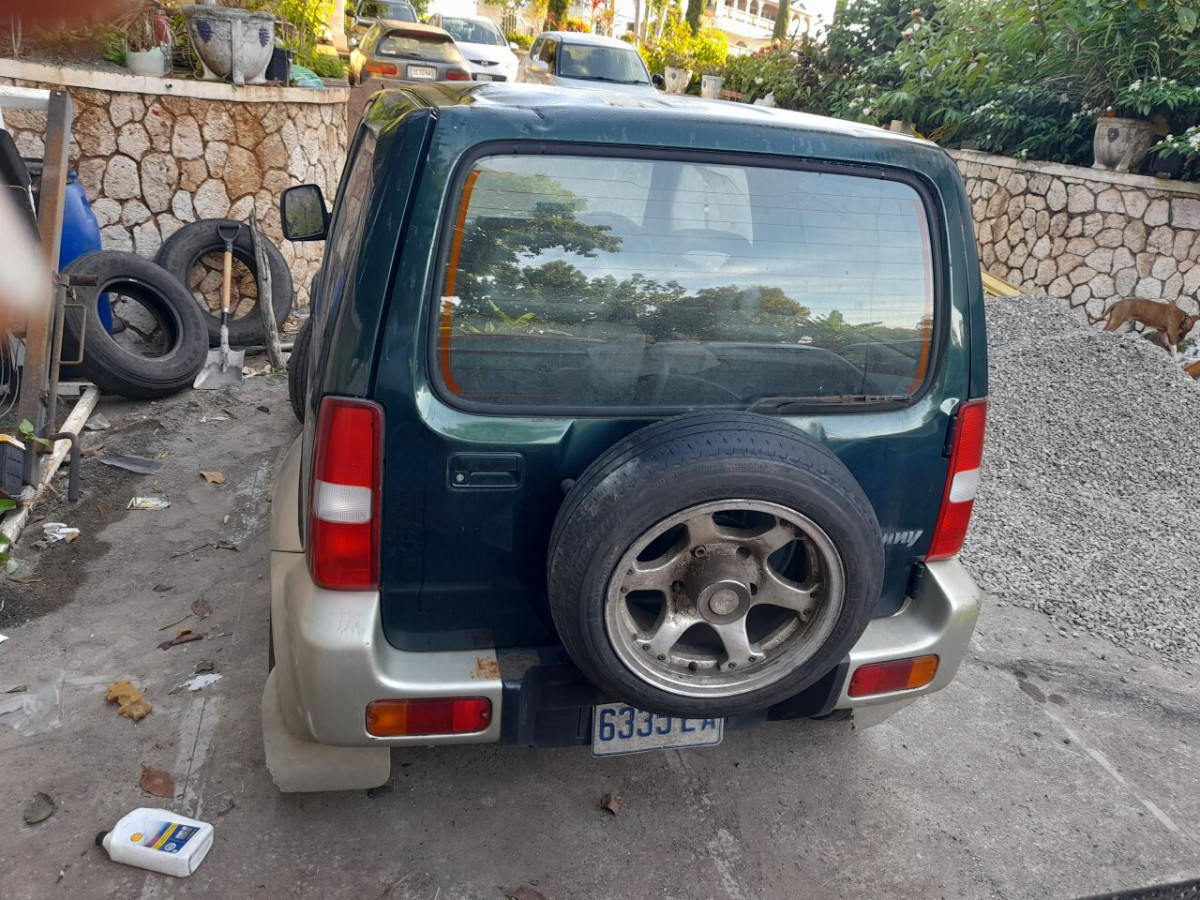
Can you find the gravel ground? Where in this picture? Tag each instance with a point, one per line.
(1090, 504)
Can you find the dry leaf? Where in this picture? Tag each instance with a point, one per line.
(524, 893)
(157, 783)
(609, 802)
(130, 702)
(212, 477)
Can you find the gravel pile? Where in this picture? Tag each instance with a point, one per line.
(1090, 504)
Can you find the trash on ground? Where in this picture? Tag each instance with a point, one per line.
(212, 477)
(176, 622)
(149, 503)
(185, 636)
(158, 840)
(88, 451)
(139, 464)
(3, 638)
(200, 608)
(130, 702)
(157, 782)
(39, 809)
(524, 893)
(204, 419)
(204, 666)
(265, 409)
(97, 423)
(20, 688)
(35, 710)
(609, 802)
(202, 681)
(55, 532)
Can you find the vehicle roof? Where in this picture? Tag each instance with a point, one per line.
(412, 27)
(583, 37)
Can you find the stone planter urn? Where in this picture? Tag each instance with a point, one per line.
(231, 43)
(676, 80)
(710, 86)
(1121, 144)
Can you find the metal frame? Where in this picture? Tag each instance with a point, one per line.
(43, 325)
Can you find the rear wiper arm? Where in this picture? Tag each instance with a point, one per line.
(782, 404)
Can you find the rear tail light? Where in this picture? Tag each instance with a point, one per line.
(458, 75)
(383, 68)
(962, 481)
(443, 715)
(892, 676)
(343, 505)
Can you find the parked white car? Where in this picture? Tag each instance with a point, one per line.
(489, 56)
(574, 59)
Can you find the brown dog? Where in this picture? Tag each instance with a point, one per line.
(1166, 318)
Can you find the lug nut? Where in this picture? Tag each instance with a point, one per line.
(661, 658)
(733, 665)
(699, 551)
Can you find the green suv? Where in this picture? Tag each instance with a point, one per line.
(627, 423)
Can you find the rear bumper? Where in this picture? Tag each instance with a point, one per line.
(332, 659)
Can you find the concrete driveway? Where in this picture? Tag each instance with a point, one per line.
(1053, 767)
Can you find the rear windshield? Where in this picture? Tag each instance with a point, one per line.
(396, 12)
(418, 45)
(584, 283)
(469, 32)
(601, 64)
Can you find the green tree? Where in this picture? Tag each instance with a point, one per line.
(556, 14)
(692, 17)
(782, 21)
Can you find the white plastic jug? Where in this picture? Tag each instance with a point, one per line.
(158, 840)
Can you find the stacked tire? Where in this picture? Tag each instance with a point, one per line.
(183, 326)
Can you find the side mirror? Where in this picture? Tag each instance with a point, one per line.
(656, 80)
(513, 45)
(539, 67)
(353, 42)
(305, 217)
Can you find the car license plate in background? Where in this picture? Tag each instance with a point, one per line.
(482, 77)
(618, 728)
(426, 72)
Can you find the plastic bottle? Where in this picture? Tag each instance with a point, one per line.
(158, 840)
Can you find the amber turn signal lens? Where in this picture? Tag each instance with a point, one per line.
(894, 675)
(441, 715)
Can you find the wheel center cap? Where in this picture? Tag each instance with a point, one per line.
(723, 602)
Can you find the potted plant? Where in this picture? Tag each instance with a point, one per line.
(146, 33)
(677, 69)
(1145, 107)
(711, 81)
(1176, 155)
(232, 43)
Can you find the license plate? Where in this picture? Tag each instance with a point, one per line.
(618, 728)
(481, 77)
(427, 72)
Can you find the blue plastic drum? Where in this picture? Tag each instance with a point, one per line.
(80, 235)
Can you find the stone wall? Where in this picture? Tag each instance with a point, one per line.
(1087, 236)
(154, 154)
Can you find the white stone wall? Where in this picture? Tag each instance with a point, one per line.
(1087, 236)
(153, 154)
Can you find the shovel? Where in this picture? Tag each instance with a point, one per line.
(223, 366)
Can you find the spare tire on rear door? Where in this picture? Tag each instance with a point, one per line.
(158, 344)
(713, 564)
(183, 254)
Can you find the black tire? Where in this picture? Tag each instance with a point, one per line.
(109, 365)
(182, 250)
(686, 466)
(297, 370)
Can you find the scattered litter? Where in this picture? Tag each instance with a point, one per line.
(88, 451)
(130, 702)
(139, 464)
(205, 665)
(212, 477)
(138, 841)
(157, 783)
(62, 873)
(229, 412)
(55, 532)
(3, 638)
(609, 802)
(34, 710)
(200, 608)
(97, 423)
(20, 688)
(204, 419)
(225, 521)
(149, 503)
(185, 636)
(524, 893)
(202, 681)
(162, 588)
(176, 622)
(264, 369)
(39, 809)
(265, 409)
(226, 545)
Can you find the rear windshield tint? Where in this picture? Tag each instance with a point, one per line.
(396, 12)
(601, 64)
(583, 283)
(409, 45)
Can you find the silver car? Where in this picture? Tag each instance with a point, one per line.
(572, 59)
(400, 51)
